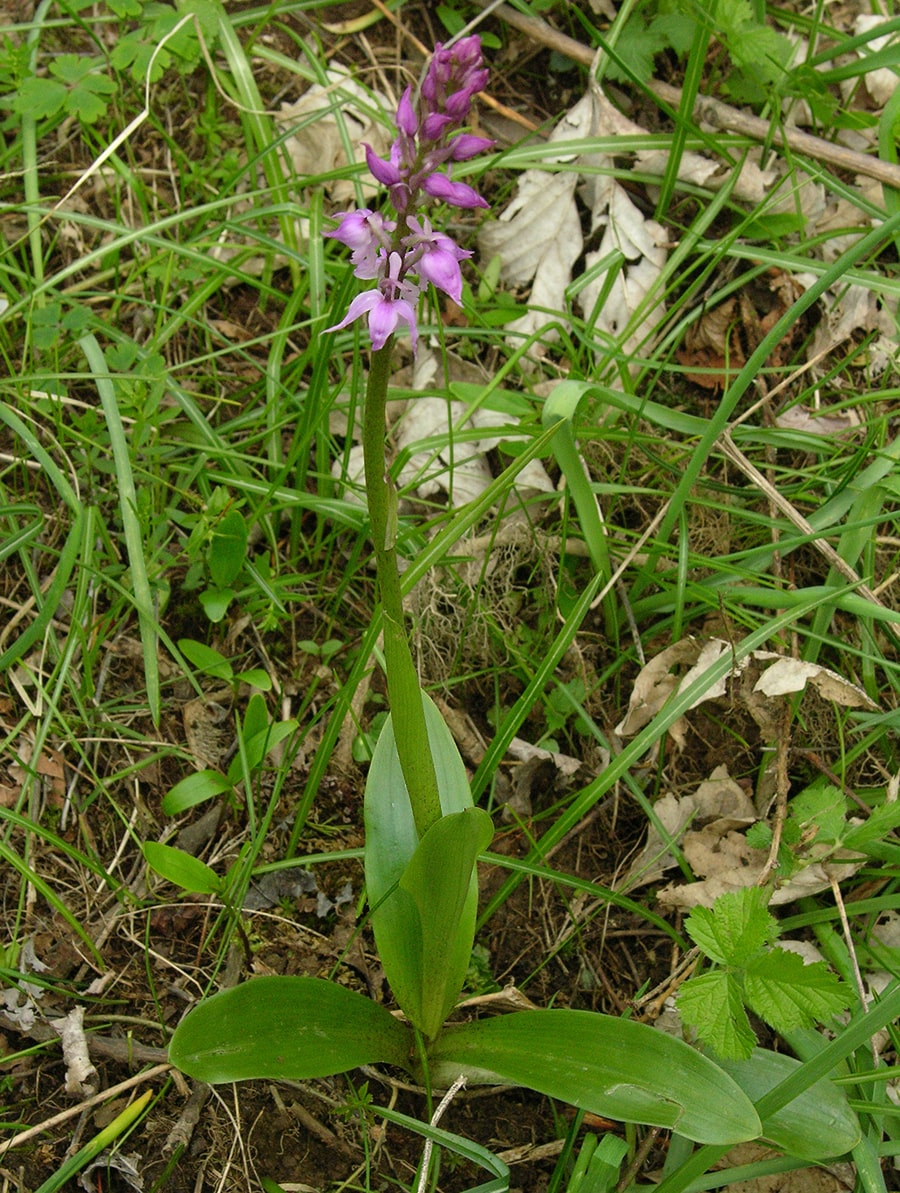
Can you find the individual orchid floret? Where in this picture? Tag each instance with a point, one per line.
(391, 303)
(467, 145)
(366, 233)
(435, 257)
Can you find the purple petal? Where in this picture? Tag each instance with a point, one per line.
(434, 125)
(406, 114)
(385, 316)
(442, 270)
(467, 145)
(353, 229)
(439, 186)
(362, 303)
(384, 172)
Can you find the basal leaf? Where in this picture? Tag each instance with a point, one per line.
(712, 1005)
(613, 1067)
(288, 1028)
(817, 1125)
(425, 927)
(787, 993)
(391, 836)
(442, 889)
(424, 911)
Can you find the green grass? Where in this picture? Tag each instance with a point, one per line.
(167, 286)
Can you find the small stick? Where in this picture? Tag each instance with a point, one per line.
(448, 1097)
(726, 443)
(63, 1115)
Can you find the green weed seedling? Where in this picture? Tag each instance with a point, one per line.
(423, 832)
(217, 553)
(257, 734)
(736, 936)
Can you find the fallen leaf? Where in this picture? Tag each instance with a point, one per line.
(827, 420)
(538, 235)
(719, 805)
(80, 1072)
(317, 144)
(457, 465)
(881, 83)
(792, 675)
(207, 726)
(657, 681)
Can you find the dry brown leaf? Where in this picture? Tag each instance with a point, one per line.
(719, 803)
(206, 726)
(828, 420)
(724, 864)
(316, 144)
(792, 675)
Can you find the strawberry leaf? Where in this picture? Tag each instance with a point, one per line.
(788, 994)
(712, 1005)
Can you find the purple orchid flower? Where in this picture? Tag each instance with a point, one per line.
(402, 256)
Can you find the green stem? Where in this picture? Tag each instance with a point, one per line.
(404, 693)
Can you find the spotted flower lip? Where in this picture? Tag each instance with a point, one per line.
(403, 256)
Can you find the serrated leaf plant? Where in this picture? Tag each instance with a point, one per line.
(423, 832)
(736, 937)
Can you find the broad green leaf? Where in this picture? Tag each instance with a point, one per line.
(821, 808)
(206, 659)
(195, 789)
(712, 1005)
(286, 1028)
(425, 928)
(255, 678)
(215, 602)
(256, 716)
(613, 1067)
(391, 836)
(736, 927)
(788, 994)
(40, 98)
(228, 549)
(258, 746)
(182, 868)
(817, 1125)
(879, 823)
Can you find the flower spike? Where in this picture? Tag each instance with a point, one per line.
(403, 256)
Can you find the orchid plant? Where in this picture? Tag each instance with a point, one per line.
(423, 834)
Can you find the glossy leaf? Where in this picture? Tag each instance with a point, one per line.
(286, 1028)
(424, 895)
(815, 1126)
(195, 789)
(183, 869)
(391, 836)
(613, 1067)
(425, 927)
